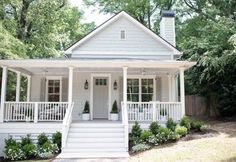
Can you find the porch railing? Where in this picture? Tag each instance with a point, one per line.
(34, 111)
(154, 111)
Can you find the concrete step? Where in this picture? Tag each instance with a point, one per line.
(93, 155)
(94, 135)
(96, 125)
(73, 150)
(93, 145)
(95, 140)
(95, 130)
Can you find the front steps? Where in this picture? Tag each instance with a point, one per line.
(95, 140)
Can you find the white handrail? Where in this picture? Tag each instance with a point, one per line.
(125, 124)
(66, 123)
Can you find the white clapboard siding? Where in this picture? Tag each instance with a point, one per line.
(136, 42)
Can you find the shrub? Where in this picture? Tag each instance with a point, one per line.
(48, 147)
(154, 128)
(14, 152)
(10, 142)
(29, 150)
(171, 124)
(185, 121)
(56, 139)
(26, 140)
(196, 124)
(136, 133)
(45, 155)
(145, 135)
(114, 109)
(42, 138)
(86, 107)
(204, 128)
(140, 147)
(181, 130)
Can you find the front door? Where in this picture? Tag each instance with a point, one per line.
(100, 98)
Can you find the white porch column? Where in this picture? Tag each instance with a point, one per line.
(28, 87)
(70, 86)
(125, 87)
(170, 87)
(18, 82)
(182, 91)
(3, 92)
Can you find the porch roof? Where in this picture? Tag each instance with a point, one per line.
(114, 63)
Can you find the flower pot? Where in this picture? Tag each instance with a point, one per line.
(114, 117)
(86, 116)
(27, 119)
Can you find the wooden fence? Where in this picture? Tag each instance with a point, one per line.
(195, 105)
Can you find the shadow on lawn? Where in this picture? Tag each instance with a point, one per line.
(231, 159)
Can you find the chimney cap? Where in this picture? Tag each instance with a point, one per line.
(167, 13)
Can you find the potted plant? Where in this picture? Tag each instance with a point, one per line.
(86, 112)
(114, 111)
(28, 115)
(163, 113)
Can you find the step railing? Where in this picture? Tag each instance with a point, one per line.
(66, 124)
(125, 124)
(34, 111)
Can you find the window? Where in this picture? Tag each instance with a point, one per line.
(133, 90)
(54, 87)
(147, 90)
(122, 34)
(140, 89)
(101, 82)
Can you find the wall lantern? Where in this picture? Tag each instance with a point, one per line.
(115, 85)
(86, 85)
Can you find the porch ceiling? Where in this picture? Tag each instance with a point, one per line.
(57, 67)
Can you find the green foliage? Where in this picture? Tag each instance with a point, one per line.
(185, 121)
(29, 150)
(146, 134)
(42, 138)
(154, 128)
(136, 133)
(204, 128)
(114, 109)
(196, 125)
(181, 130)
(56, 139)
(86, 107)
(14, 152)
(49, 147)
(140, 147)
(171, 124)
(10, 142)
(26, 140)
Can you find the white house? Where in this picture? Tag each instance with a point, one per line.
(121, 61)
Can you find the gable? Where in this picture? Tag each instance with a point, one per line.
(108, 43)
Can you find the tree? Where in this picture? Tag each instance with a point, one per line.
(143, 10)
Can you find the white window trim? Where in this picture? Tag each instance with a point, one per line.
(53, 78)
(139, 77)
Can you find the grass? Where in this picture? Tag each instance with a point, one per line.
(220, 148)
(33, 161)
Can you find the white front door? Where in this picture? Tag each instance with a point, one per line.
(100, 98)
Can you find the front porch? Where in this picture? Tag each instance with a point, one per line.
(150, 91)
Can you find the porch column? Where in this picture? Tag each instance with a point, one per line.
(125, 87)
(70, 86)
(3, 92)
(28, 87)
(18, 82)
(170, 87)
(182, 91)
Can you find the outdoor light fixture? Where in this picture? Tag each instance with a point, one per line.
(86, 85)
(115, 85)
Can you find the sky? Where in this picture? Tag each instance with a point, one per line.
(89, 14)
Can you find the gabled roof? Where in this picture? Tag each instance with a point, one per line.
(113, 19)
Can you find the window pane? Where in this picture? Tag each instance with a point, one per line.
(57, 82)
(50, 82)
(135, 89)
(57, 90)
(147, 97)
(145, 89)
(50, 89)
